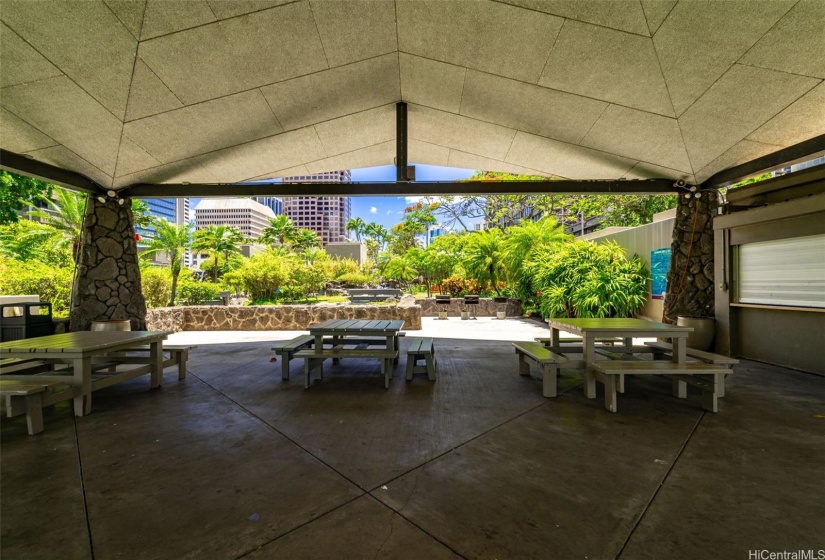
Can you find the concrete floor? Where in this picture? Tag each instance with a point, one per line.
(234, 463)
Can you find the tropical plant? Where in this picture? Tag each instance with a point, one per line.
(279, 231)
(357, 226)
(354, 279)
(524, 239)
(218, 241)
(52, 284)
(378, 232)
(173, 240)
(400, 268)
(193, 292)
(304, 239)
(584, 279)
(484, 258)
(141, 215)
(67, 216)
(27, 240)
(18, 192)
(156, 285)
(261, 275)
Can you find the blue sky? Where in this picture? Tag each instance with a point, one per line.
(389, 210)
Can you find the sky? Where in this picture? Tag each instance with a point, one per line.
(389, 210)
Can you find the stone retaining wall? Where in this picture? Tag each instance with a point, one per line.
(485, 308)
(273, 317)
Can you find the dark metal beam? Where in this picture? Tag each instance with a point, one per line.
(803, 151)
(633, 186)
(401, 143)
(23, 165)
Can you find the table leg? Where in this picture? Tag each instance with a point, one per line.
(83, 379)
(680, 357)
(156, 361)
(554, 337)
(589, 361)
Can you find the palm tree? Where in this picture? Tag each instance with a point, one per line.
(400, 268)
(280, 230)
(218, 241)
(69, 211)
(174, 240)
(377, 232)
(357, 226)
(484, 257)
(304, 239)
(141, 215)
(522, 240)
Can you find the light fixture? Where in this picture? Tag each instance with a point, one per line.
(111, 194)
(102, 199)
(121, 201)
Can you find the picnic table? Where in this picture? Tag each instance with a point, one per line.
(82, 350)
(351, 338)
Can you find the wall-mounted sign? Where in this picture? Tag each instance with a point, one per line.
(659, 263)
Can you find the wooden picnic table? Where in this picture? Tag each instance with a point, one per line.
(590, 329)
(344, 333)
(81, 350)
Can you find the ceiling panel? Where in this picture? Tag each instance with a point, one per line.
(130, 13)
(148, 95)
(61, 156)
(224, 9)
(295, 171)
(241, 163)
(625, 15)
(458, 132)
(259, 49)
(371, 156)
(190, 171)
(20, 63)
(19, 136)
(700, 40)
(804, 119)
(471, 161)
(656, 11)
(472, 35)
(742, 151)
(796, 44)
(357, 131)
(71, 116)
(168, 16)
(644, 170)
(205, 127)
(528, 107)
(132, 158)
(608, 65)
(355, 29)
(639, 135)
(736, 105)
(426, 153)
(331, 93)
(566, 160)
(431, 83)
(84, 39)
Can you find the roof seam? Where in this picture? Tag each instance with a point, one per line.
(318, 33)
(778, 20)
(574, 19)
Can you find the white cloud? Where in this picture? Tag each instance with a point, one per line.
(389, 212)
(413, 199)
(373, 210)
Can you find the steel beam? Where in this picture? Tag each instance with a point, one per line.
(401, 143)
(633, 186)
(803, 151)
(24, 165)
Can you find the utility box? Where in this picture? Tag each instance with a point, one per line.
(25, 320)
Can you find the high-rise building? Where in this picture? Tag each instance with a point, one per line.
(165, 208)
(244, 214)
(325, 215)
(275, 203)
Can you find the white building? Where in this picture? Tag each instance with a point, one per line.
(248, 216)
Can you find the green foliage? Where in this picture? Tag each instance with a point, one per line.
(454, 285)
(357, 226)
(523, 240)
(156, 285)
(416, 220)
(354, 279)
(68, 213)
(218, 242)
(400, 268)
(173, 240)
(261, 275)
(279, 231)
(307, 278)
(485, 259)
(626, 210)
(18, 192)
(52, 284)
(345, 266)
(584, 279)
(27, 240)
(192, 292)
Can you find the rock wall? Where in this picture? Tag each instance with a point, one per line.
(107, 285)
(272, 317)
(485, 308)
(690, 283)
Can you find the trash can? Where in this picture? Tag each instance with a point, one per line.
(470, 303)
(25, 320)
(444, 302)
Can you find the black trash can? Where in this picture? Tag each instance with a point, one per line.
(33, 319)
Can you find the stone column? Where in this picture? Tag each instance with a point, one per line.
(107, 285)
(690, 277)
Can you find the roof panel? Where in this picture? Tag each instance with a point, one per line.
(804, 119)
(355, 29)
(431, 83)
(459, 132)
(566, 160)
(356, 131)
(624, 15)
(20, 62)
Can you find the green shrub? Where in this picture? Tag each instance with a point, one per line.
(584, 279)
(261, 275)
(52, 284)
(354, 279)
(345, 266)
(192, 292)
(156, 285)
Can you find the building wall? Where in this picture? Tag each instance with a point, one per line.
(641, 241)
(356, 251)
(248, 216)
(327, 216)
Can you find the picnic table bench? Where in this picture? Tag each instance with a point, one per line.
(421, 349)
(546, 361)
(663, 350)
(30, 396)
(288, 348)
(367, 295)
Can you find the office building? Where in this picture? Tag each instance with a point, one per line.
(325, 215)
(244, 214)
(273, 202)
